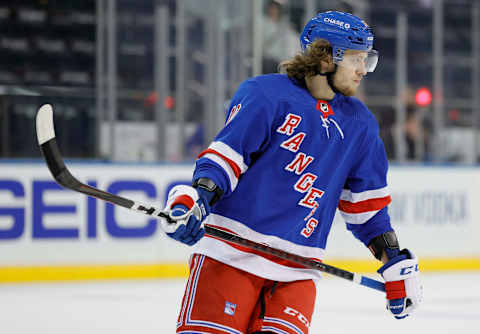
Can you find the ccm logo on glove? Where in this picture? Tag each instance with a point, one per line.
(408, 270)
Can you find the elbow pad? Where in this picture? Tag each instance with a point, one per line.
(209, 188)
(387, 241)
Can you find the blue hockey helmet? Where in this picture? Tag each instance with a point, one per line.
(343, 31)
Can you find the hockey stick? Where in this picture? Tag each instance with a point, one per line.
(51, 154)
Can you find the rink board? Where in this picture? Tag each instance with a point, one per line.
(48, 233)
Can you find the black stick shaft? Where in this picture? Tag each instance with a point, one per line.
(62, 175)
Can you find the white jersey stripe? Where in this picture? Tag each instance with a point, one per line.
(272, 241)
(253, 263)
(226, 167)
(349, 196)
(230, 153)
(358, 218)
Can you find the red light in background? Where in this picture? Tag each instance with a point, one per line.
(151, 100)
(169, 102)
(423, 97)
(454, 115)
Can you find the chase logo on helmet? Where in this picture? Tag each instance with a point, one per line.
(337, 22)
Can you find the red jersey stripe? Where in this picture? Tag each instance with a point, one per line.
(231, 163)
(373, 204)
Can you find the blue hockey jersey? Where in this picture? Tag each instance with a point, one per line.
(286, 162)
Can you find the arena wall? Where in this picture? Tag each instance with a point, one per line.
(48, 233)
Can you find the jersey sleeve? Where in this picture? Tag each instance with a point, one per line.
(247, 132)
(365, 197)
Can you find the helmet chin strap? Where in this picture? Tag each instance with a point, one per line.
(329, 76)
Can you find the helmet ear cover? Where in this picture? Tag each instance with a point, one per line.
(387, 241)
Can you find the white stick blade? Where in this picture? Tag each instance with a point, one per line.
(44, 123)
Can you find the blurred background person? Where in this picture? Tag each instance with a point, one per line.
(279, 37)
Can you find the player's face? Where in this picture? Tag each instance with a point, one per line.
(350, 72)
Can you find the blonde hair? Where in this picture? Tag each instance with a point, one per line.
(307, 64)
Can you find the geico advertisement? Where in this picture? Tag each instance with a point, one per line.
(433, 210)
(41, 221)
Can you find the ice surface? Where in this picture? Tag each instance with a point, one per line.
(451, 305)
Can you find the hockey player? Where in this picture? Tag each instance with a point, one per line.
(295, 147)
